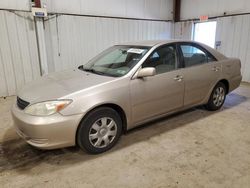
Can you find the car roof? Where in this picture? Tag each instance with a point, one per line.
(148, 43)
(151, 43)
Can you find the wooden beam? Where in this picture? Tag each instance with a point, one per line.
(177, 10)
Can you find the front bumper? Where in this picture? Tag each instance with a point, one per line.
(50, 132)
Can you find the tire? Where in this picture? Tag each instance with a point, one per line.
(99, 131)
(217, 97)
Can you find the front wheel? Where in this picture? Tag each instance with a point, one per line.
(100, 130)
(217, 97)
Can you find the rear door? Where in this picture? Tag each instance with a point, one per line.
(201, 72)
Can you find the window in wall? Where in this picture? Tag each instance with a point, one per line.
(205, 32)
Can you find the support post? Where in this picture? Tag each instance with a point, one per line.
(177, 10)
(40, 35)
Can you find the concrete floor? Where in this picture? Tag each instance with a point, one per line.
(196, 148)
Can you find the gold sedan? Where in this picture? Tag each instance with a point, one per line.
(123, 87)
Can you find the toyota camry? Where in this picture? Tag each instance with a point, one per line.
(125, 86)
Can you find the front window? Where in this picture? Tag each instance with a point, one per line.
(116, 61)
(163, 59)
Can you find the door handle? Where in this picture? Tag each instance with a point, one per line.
(178, 78)
(215, 69)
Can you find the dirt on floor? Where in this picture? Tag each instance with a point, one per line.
(195, 148)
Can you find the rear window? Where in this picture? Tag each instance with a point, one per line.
(194, 55)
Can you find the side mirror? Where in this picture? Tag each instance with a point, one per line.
(146, 72)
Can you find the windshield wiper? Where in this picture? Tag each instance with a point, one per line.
(93, 71)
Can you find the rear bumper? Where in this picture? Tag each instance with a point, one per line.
(235, 83)
(55, 131)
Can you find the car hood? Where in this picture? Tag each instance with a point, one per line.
(60, 84)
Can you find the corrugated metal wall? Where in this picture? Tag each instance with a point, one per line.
(149, 9)
(233, 32)
(73, 40)
(70, 41)
(15, 4)
(194, 8)
(18, 51)
(183, 30)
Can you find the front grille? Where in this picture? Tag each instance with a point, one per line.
(21, 103)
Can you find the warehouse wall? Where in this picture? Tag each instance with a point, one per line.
(73, 40)
(191, 9)
(18, 51)
(183, 30)
(232, 31)
(147, 9)
(15, 4)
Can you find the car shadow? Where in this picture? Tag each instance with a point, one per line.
(21, 157)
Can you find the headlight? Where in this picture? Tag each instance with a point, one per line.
(46, 108)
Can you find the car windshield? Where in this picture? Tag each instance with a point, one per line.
(116, 61)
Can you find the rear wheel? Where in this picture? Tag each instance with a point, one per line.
(217, 97)
(100, 130)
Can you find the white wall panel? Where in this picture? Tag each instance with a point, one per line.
(147, 9)
(15, 4)
(191, 9)
(73, 40)
(18, 51)
(183, 30)
(233, 32)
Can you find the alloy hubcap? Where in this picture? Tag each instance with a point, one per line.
(219, 96)
(102, 132)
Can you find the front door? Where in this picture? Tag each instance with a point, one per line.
(159, 94)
